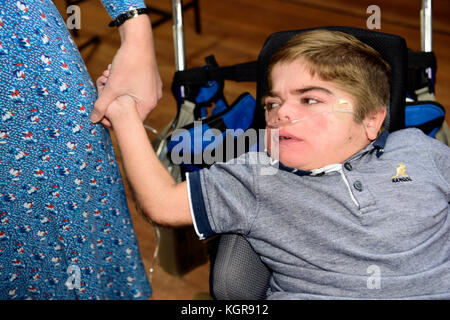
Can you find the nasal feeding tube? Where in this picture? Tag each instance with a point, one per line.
(337, 108)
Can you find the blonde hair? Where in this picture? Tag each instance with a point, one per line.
(350, 64)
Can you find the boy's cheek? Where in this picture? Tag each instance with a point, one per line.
(320, 124)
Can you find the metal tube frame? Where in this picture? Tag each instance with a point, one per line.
(178, 35)
(426, 25)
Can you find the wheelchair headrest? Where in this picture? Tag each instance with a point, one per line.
(392, 48)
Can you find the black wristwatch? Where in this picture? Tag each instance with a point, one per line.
(126, 16)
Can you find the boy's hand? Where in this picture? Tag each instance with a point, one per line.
(119, 105)
(101, 81)
(120, 108)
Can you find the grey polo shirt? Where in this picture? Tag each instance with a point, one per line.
(374, 227)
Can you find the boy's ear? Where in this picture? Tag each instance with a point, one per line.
(373, 123)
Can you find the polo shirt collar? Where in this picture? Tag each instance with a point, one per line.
(293, 170)
(380, 143)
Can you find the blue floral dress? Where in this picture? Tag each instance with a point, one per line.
(65, 228)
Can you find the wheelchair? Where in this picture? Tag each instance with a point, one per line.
(237, 272)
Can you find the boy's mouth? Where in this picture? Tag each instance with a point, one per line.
(283, 135)
(286, 137)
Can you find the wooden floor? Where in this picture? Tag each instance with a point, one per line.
(234, 31)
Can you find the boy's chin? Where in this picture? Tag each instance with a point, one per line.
(298, 162)
(290, 159)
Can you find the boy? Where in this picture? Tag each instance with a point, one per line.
(352, 212)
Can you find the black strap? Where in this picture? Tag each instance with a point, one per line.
(246, 71)
(429, 126)
(418, 63)
(421, 59)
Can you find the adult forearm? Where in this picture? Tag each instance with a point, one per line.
(137, 30)
(133, 71)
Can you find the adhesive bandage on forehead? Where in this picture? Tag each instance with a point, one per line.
(274, 120)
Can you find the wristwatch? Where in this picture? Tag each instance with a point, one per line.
(133, 13)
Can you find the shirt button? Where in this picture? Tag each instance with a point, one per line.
(358, 185)
(348, 166)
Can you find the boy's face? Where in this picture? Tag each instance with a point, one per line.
(324, 136)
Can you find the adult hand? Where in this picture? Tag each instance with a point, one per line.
(133, 71)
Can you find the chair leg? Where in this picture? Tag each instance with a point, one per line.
(196, 6)
(165, 16)
(198, 26)
(95, 40)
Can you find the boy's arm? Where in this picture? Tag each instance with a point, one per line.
(160, 198)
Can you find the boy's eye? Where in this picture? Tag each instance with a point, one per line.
(309, 101)
(272, 105)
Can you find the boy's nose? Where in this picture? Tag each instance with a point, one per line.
(287, 111)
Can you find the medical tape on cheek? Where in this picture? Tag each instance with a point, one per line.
(342, 106)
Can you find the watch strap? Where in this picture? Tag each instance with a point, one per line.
(133, 13)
